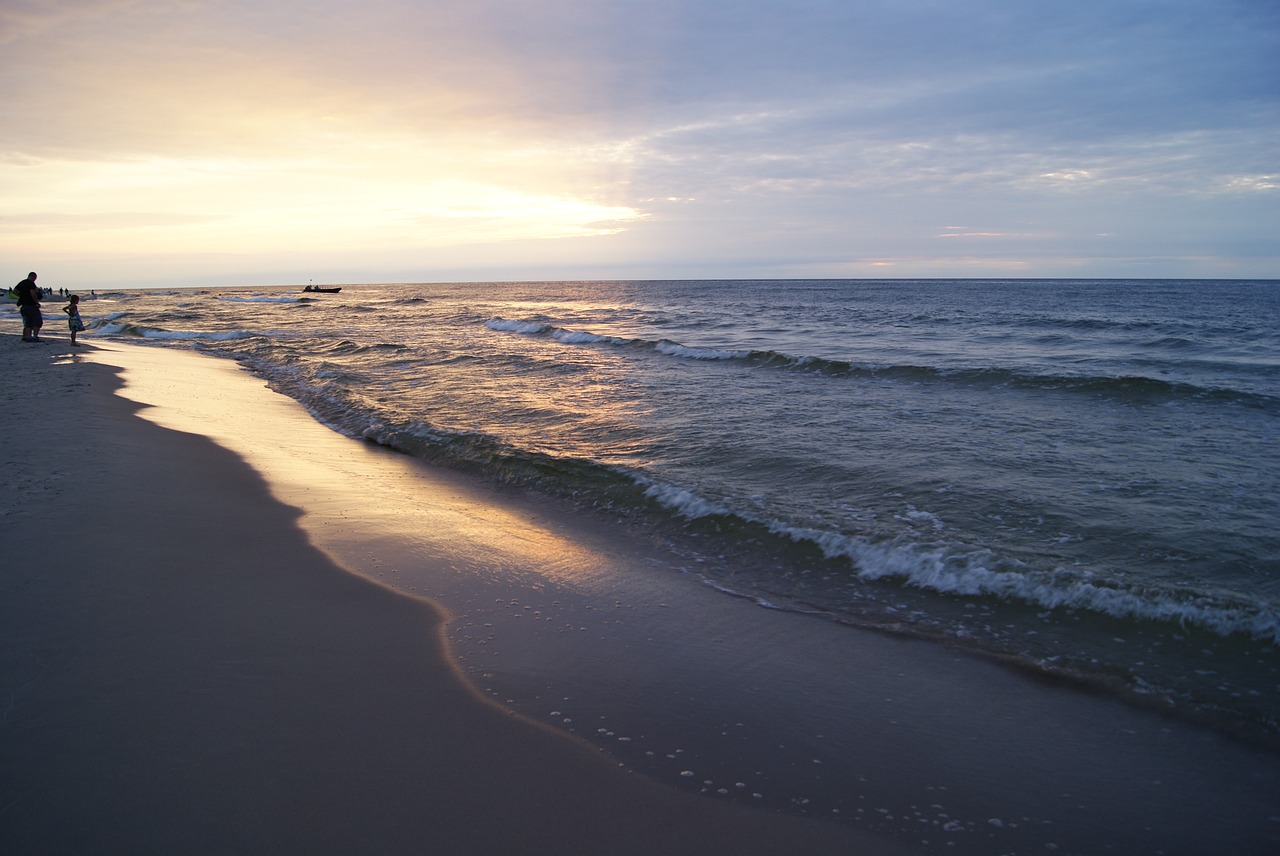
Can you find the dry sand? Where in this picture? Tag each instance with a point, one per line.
(185, 672)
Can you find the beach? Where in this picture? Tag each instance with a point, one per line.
(185, 672)
(230, 629)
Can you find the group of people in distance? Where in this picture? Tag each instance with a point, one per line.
(29, 295)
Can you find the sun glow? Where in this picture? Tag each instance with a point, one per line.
(246, 205)
(233, 142)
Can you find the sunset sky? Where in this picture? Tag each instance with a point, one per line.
(218, 142)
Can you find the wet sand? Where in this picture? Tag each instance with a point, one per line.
(185, 672)
(286, 640)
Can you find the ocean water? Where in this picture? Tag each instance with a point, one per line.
(1076, 477)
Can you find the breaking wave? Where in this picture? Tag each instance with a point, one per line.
(113, 328)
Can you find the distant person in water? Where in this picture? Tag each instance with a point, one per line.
(29, 305)
(73, 317)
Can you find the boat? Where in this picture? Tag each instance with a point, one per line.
(313, 289)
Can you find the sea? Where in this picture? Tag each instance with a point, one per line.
(1080, 478)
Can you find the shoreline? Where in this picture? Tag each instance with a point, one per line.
(907, 744)
(185, 672)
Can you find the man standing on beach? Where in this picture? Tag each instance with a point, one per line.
(29, 306)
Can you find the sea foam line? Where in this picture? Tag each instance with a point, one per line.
(110, 328)
(971, 574)
(937, 569)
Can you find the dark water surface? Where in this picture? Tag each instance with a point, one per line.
(1077, 476)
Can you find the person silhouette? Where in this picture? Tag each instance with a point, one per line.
(29, 306)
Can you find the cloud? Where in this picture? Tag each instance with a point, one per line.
(712, 132)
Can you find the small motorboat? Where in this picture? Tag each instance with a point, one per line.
(315, 289)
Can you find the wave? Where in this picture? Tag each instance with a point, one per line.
(675, 349)
(971, 574)
(105, 327)
(503, 326)
(938, 568)
(1130, 388)
(956, 571)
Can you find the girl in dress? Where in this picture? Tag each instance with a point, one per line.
(73, 317)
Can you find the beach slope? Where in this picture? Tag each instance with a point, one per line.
(184, 672)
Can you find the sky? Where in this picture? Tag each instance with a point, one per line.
(240, 142)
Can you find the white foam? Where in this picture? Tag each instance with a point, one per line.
(951, 571)
(684, 501)
(502, 325)
(183, 335)
(581, 337)
(560, 334)
(675, 349)
(924, 517)
(112, 328)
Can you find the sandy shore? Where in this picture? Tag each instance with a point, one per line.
(185, 672)
(228, 629)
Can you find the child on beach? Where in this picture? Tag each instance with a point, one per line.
(73, 317)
